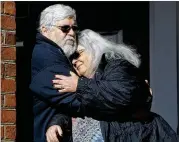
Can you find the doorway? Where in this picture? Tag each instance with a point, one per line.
(132, 18)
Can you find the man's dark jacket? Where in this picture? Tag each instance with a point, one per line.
(47, 60)
(94, 98)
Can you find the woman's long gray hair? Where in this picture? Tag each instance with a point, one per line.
(96, 45)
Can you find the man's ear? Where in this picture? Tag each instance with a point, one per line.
(44, 30)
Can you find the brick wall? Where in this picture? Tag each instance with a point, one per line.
(8, 71)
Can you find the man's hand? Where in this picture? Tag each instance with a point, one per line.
(66, 83)
(53, 132)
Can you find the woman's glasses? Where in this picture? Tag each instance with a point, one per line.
(76, 55)
(67, 28)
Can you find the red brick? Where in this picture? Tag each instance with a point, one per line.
(10, 69)
(8, 53)
(8, 85)
(10, 100)
(10, 132)
(9, 8)
(10, 38)
(2, 37)
(2, 132)
(8, 22)
(2, 7)
(2, 100)
(2, 70)
(8, 116)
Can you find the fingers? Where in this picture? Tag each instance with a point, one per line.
(51, 134)
(61, 86)
(57, 81)
(47, 136)
(60, 131)
(72, 73)
(52, 137)
(58, 86)
(60, 77)
(151, 91)
(64, 77)
(60, 83)
(147, 82)
(64, 90)
(149, 86)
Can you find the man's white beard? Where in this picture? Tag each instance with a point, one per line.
(69, 49)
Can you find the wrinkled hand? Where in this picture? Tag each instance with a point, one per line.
(53, 132)
(149, 86)
(66, 83)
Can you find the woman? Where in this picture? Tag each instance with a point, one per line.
(112, 78)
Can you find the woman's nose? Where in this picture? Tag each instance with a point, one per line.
(74, 61)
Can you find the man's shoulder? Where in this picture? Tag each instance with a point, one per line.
(45, 51)
(45, 55)
(46, 48)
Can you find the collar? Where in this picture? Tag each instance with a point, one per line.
(41, 38)
(102, 64)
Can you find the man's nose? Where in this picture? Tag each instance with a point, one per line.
(71, 32)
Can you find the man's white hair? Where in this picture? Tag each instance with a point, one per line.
(50, 15)
(96, 45)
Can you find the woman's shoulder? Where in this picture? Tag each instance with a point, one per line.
(119, 63)
(121, 66)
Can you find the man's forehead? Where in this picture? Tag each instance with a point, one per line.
(67, 21)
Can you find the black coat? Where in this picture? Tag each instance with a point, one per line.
(119, 79)
(119, 91)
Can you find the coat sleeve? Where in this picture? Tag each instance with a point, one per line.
(42, 87)
(111, 93)
(64, 121)
(118, 89)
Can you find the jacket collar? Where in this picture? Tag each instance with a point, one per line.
(102, 64)
(42, 39)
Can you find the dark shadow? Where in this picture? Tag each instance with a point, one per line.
(131, 17)
(24, 117)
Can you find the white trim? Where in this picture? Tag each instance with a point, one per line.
(20, 44)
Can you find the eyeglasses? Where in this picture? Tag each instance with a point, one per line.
(67, 28)
(76, 55)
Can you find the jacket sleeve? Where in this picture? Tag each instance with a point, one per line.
(118, 89)
(42, 87)
(62, 120)
(111, 93)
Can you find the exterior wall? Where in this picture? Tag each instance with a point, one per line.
(163, 60)
(8, 71)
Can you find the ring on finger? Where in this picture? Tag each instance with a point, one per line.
(62, 86)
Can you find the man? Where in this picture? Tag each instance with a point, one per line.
(55, 42)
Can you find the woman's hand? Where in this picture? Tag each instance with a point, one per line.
(66, 83)
(149, 87)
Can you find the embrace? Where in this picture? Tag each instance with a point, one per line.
(95, 81)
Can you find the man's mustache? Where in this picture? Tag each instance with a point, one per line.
(72, 39)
